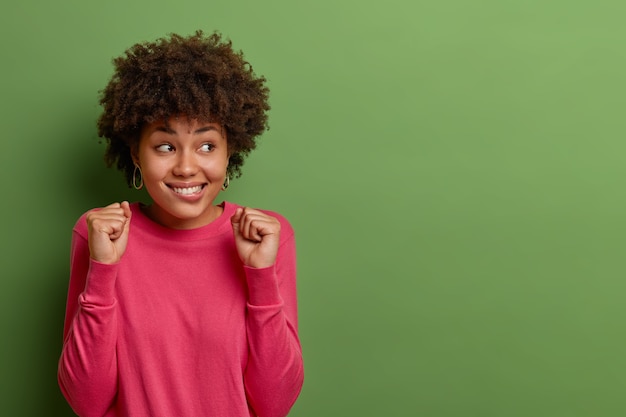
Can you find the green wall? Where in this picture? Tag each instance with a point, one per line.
(454, 170)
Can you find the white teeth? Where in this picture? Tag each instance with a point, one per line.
(187, 190)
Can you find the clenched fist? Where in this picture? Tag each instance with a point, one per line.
(108, 232)
(257, 236)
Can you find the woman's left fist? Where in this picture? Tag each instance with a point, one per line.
(257, 236)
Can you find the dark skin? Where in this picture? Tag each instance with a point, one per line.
(183, 163)
(257, 235)
(199, 76)
(193, 78)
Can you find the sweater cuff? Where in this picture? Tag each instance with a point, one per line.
(262, 286)
(100, 285)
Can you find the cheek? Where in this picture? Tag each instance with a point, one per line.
(216, 170)
(218, 165)
(152, 170)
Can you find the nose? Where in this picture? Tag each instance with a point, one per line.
(186, 164)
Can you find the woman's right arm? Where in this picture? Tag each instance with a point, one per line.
(87, 370)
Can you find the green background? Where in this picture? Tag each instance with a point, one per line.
(454, 170)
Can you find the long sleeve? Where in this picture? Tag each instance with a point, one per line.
(274, 373)
(87, 371)
(169, 330)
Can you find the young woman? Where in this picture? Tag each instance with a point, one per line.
(183, 307)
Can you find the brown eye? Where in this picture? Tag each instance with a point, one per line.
(166, 147)
(207, 147)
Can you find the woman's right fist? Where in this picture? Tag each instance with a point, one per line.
(108, 232)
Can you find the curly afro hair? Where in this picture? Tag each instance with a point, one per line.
(198, 77)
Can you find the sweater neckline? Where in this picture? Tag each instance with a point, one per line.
(216, 227)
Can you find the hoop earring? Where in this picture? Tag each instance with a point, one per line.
(226, 183)
(135, 185)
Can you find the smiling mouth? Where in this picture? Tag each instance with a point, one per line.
(187, 190)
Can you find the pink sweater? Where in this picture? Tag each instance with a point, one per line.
(180, 327)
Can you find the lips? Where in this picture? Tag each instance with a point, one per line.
(187, 190)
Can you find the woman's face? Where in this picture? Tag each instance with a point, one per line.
(183, 163)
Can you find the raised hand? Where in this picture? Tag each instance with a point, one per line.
(257, 236)
(108, 232)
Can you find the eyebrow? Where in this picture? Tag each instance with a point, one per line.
(206, 129)
(167, 129)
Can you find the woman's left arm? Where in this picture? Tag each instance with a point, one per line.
(274, 373)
